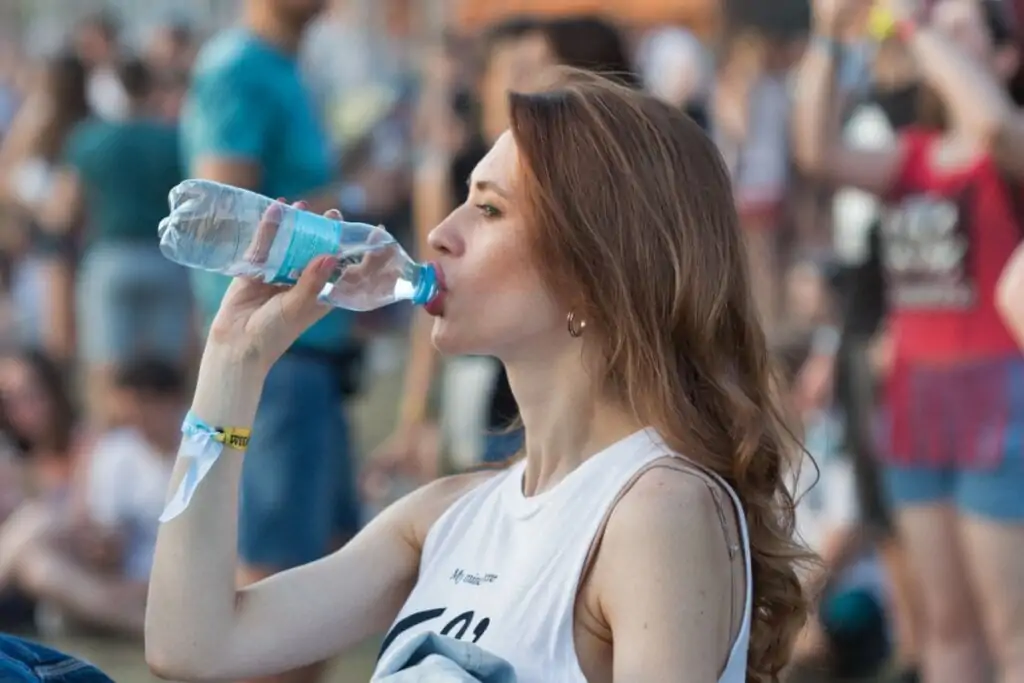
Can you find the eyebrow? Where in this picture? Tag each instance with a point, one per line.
(483, 185)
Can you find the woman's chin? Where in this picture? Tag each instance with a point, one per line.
(447, 339)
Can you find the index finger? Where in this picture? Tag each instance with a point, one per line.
(258, 250)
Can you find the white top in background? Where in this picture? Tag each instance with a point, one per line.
(126, 491)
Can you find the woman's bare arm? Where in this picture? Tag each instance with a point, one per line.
(663, 583)
(17, 145)
(199, 627)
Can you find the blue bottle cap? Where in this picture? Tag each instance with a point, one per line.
(426, 286)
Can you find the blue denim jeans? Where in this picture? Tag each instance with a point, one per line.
(298, 490)
(22, 661)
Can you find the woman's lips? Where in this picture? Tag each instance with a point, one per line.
(435, 306)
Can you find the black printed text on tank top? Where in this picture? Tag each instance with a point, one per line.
(464, 625)
(460, 624)
(926, 252)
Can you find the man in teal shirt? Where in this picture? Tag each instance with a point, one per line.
(250, 121)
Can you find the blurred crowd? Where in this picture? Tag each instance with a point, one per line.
(100, 334)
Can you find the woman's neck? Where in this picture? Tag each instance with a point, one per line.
(565, 418)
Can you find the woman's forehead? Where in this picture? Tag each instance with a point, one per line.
(499, 164)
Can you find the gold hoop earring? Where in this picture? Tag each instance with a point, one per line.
(575, 330)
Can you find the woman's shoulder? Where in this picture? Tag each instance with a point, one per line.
(669, 529)
(673, 509)
(423, 507)
(672, 494)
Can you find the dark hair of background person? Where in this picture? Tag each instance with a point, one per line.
(136, 78)
(50, 377)
(1005, 31)
(671, 320)
(66, 78)
(464, 103)
(593, 44)
(104, 22)
(505, 31)
(181, 33)
(932, 110)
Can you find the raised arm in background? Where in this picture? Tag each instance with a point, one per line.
(817, 144)
(980, 110)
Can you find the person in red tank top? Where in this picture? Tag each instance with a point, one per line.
(955, 391)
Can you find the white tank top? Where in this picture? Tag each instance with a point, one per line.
(502, 570)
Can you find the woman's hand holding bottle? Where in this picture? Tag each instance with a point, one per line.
(256, 323)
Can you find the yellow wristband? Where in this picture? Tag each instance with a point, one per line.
(881, 23)
(233, 437)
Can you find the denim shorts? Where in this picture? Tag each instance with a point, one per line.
(298, 490)
(22, 661)
(132, 301)
(30, 294)
(990, 484)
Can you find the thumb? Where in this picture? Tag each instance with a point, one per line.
(301, 303)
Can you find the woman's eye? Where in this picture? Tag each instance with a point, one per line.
(488, 210)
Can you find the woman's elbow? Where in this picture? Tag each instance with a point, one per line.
(171, 661)
(164, 665)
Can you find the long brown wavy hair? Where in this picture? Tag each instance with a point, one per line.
(635, 228)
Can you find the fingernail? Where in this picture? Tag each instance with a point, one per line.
(282, 200)
(333, 213)
(301, 205)
(327, 264)
(274, 212)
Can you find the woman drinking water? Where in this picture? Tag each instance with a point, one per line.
(646, 534)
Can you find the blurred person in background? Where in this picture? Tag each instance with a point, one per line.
(171, 91)
(750, 121)
(41, 422)
(170, 54)
(251, 121)
(39, 425)
(171, 48)
(97, 42)
(90, 565)
(847, 633)
(43, 280)
(11, 63)
(955, 416)
(114, 179)
(360, 73)
(514, 56)
(677, 67)
(881, 103)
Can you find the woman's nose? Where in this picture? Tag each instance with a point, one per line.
(446, 238)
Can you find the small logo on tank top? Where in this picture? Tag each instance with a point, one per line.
(459, 576)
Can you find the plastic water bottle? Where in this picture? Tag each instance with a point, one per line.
(235, 232)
